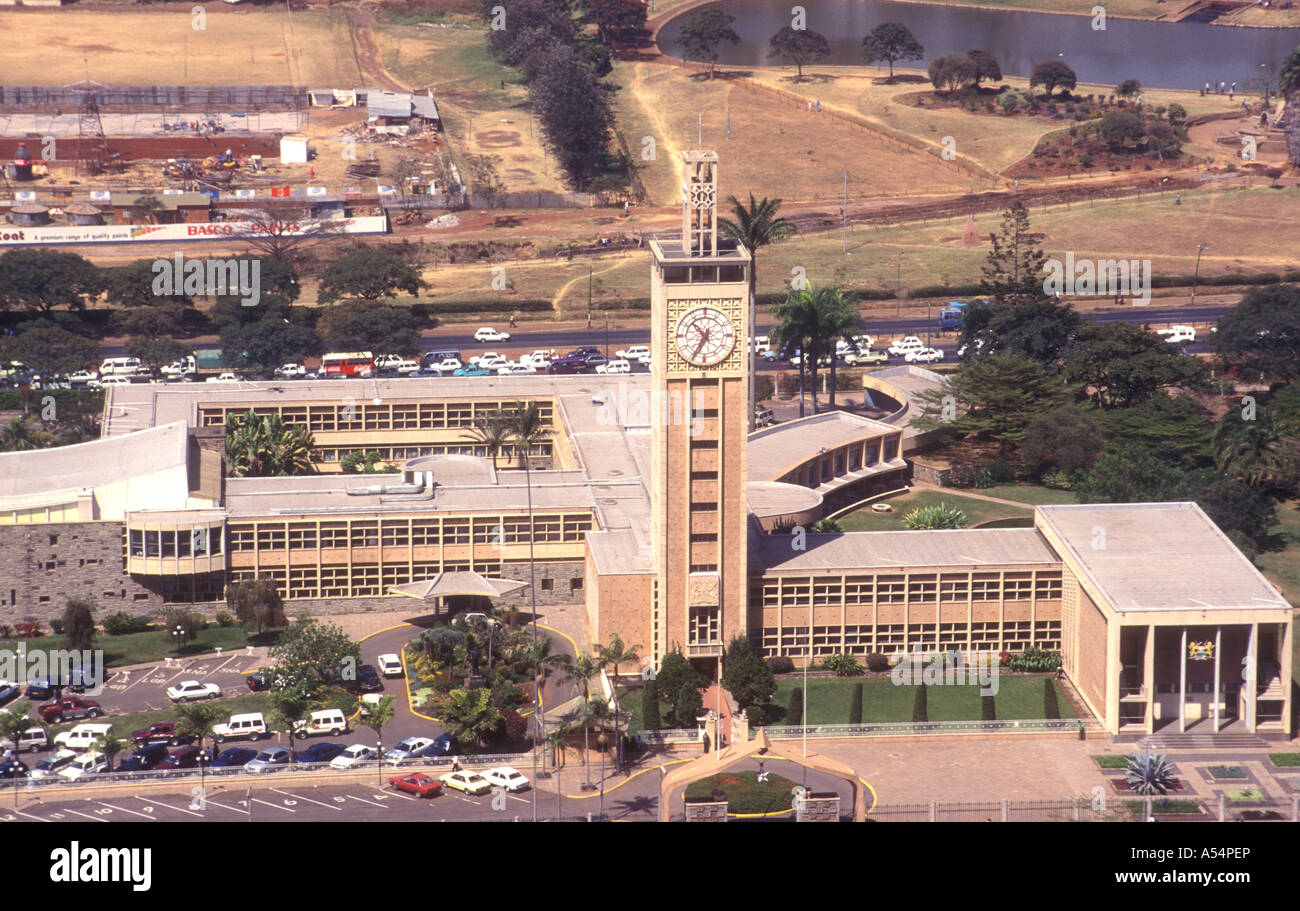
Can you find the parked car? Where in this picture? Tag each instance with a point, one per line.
(268, 760)
(583, 351)
(473, 370)
(32, 740)
(192, 690)
(233, 758)
(83, 736)
(160, 732)
(594, 361)
(258, 682)
(144, 759)
(633, 352)
(91, 763)
(419, 784)
(764, 417)
(924, 356)
(865, 356)
(8, 692)
(443, 744)
(53, 764)
(353, 756)
(321, 752)
(516, 370)
(444, 367)
(187, 757)
(224, 378)
(390, 665)
(410, 748)
(906, 345)
(41, 689)
(577, 364)
(324, 721)
(488, 334)
(618, 365)
(368, 679)
(70, 709)
(291, 371)
(466, 781)
(491, 359)
(12, 768)
(507, 777)
(249, 724)
(81, 377)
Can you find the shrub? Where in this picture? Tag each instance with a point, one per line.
(921, 707)
(756, 715)
(878, 662)
(794, 713)
(999, 470)
(1034, 660)
(855, 707)
(781, 664)
(1051, 707)
(842, 665)
(650, 707)
(514, 727)
(1058, 480)
(960, 476)
(690, 705)
(225, 619)
(118, 624)
(56, 626)
(988, 708)
(940, 515)
(764, 387)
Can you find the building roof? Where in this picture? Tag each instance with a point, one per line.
(773, 451)
(445, 585)
(1157, 557)
(776, 498)
(883, 550)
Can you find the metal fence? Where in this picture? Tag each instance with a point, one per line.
(673, 735)
(296, 769)
(1128, 809)
(910, 728)
(201, 96)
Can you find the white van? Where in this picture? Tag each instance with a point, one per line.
(905, 346)
(120, 366)
(325, 721)
(1177, 335)
(85, 764)
(251, 725)
(83, 736)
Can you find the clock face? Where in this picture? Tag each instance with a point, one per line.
(705, 337)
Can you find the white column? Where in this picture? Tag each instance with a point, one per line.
(1218, 646)
(1252, 676)
(1182, 684)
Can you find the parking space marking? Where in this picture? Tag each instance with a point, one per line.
(144, 675)
(167, 805)
(86, 815)
(125, 810)
(363, 800)
(520, 799)
(392, 794)
(276, 805)
(308, 799)
(242, 811)
(30, 816)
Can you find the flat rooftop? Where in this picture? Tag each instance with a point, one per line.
(775, 450)
(883, 550)
(1158, 557)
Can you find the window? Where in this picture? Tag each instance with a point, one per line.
(302, 536)
(704, 506)
(891, 449)
(548, 585)
(703, 538)
(334, 534)
(396, 534)
(702, 626)
(137, 542)
(575, 584)
(54, 539)
(365, 534)
(704, 567)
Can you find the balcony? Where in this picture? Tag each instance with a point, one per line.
(704, 651)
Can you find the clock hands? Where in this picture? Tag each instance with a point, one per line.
(704, 340)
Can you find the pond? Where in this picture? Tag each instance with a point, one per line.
(1173, 55)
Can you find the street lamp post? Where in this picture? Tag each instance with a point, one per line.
(178, 632)
(1200, 248)
(589, 273)
(379, 762)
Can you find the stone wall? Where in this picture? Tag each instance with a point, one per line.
(818, 807)
(42, 566)
(560, 574)
(706, 811)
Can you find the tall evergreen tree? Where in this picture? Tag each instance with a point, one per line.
(921, 706)
(794, 713)
(855, 707)
(650, 707)
(1014, 271)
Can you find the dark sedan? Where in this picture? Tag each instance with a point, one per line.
(144, 759)
(186, 757)
(321, 752)
(368, 679)
(232, 758)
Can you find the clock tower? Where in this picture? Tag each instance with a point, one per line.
(700, 338)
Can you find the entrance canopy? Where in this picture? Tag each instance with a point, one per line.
(453, 584)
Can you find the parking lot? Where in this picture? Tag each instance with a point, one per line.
(144, 688)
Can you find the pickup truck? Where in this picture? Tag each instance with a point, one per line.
(177, 369)
(865, 357)
(70, 709)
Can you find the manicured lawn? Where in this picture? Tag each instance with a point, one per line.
(123, 725)
(745, 793)
(1244, 795)
(1111, 762)
(1029, 493)
(151, 645)
(1164, 805)
(1285, 759)
(976, 510)
(829, 700)
(629, 700)
(1283, 566)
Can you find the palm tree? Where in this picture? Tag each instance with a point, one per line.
(1250, 450)
(199, 719)
(110, 745)
(756, 225)
(582, 669)
(265, 446)
(839, 320)
(378, 715)
(14, 722)
(796, 322)
(288, 707)
(16, 436)
(469, 716)
(614, 655)
(494, 431)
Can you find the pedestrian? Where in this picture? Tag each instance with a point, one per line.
(1178, 199)
(625, 208)
(513, 325)
(1207, 89)
(819, 105)
(810, 107)
(1234, 87)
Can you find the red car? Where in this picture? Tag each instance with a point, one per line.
(160, 732)
(419, 784)
(187, 757)
(70, 709)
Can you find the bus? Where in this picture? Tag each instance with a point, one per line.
(356, 363)
(950, 317)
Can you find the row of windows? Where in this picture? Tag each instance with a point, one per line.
(796, 641)
(426, 532)
(185, 542)
(364, 415)
(542, 449)
(916, 588)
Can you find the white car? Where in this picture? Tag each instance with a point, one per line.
(407, 368)
(515, 370)
(506, 777)
(645, 360)
(488, 334)
(114, 381)
(85, 764)
(481, 360)
(469, 782)
(446, 366)
(353, 756)
(190, 690)
(635, 353)
(618, 365)
(54, 764)
(409, 748)
(905, 346)
(83, 376)
(1177, 335)
(924, 356)
(177, 369)
(390, 665)
(224, 378)
(536, 361)
(290, 371)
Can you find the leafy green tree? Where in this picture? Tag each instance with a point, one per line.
(1122, 364)
(891, 42)
(703, 34)
(49, 351)
(256, 603)
(15, 722)
(199, 720)
(745, 675)
(617, 19)
(952, 71)
(39, 279)
(1176, 422)
(938, 515)
(485, 179)
(855, 706)
(381, 713)
(189, 623)
(1129, 88)
(1130, 474)
(986, 66)
(365, 461)
(756, 225)
(921, 704)
(1067, 438)
(469, 716)
(1261, 334)
(994, 398)
(262, 446)
(290, 706)
(17, 436)
(675, 672)
(79, 624)
(278, 335)
(368, 273)
(1244, 513)
(573, 107)
(1120, 128)
(132, 286)
(1289, 74)
(549, 18)
(799, 46)
(371, 326)
(311, 651)
(110, 745)
(650, 706)
(1051, 75)
(1248, 450)
(1041, 329)
(794, 711)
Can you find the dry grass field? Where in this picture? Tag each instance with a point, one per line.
(142, 46)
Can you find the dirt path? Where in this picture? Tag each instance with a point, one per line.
(370, 62)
